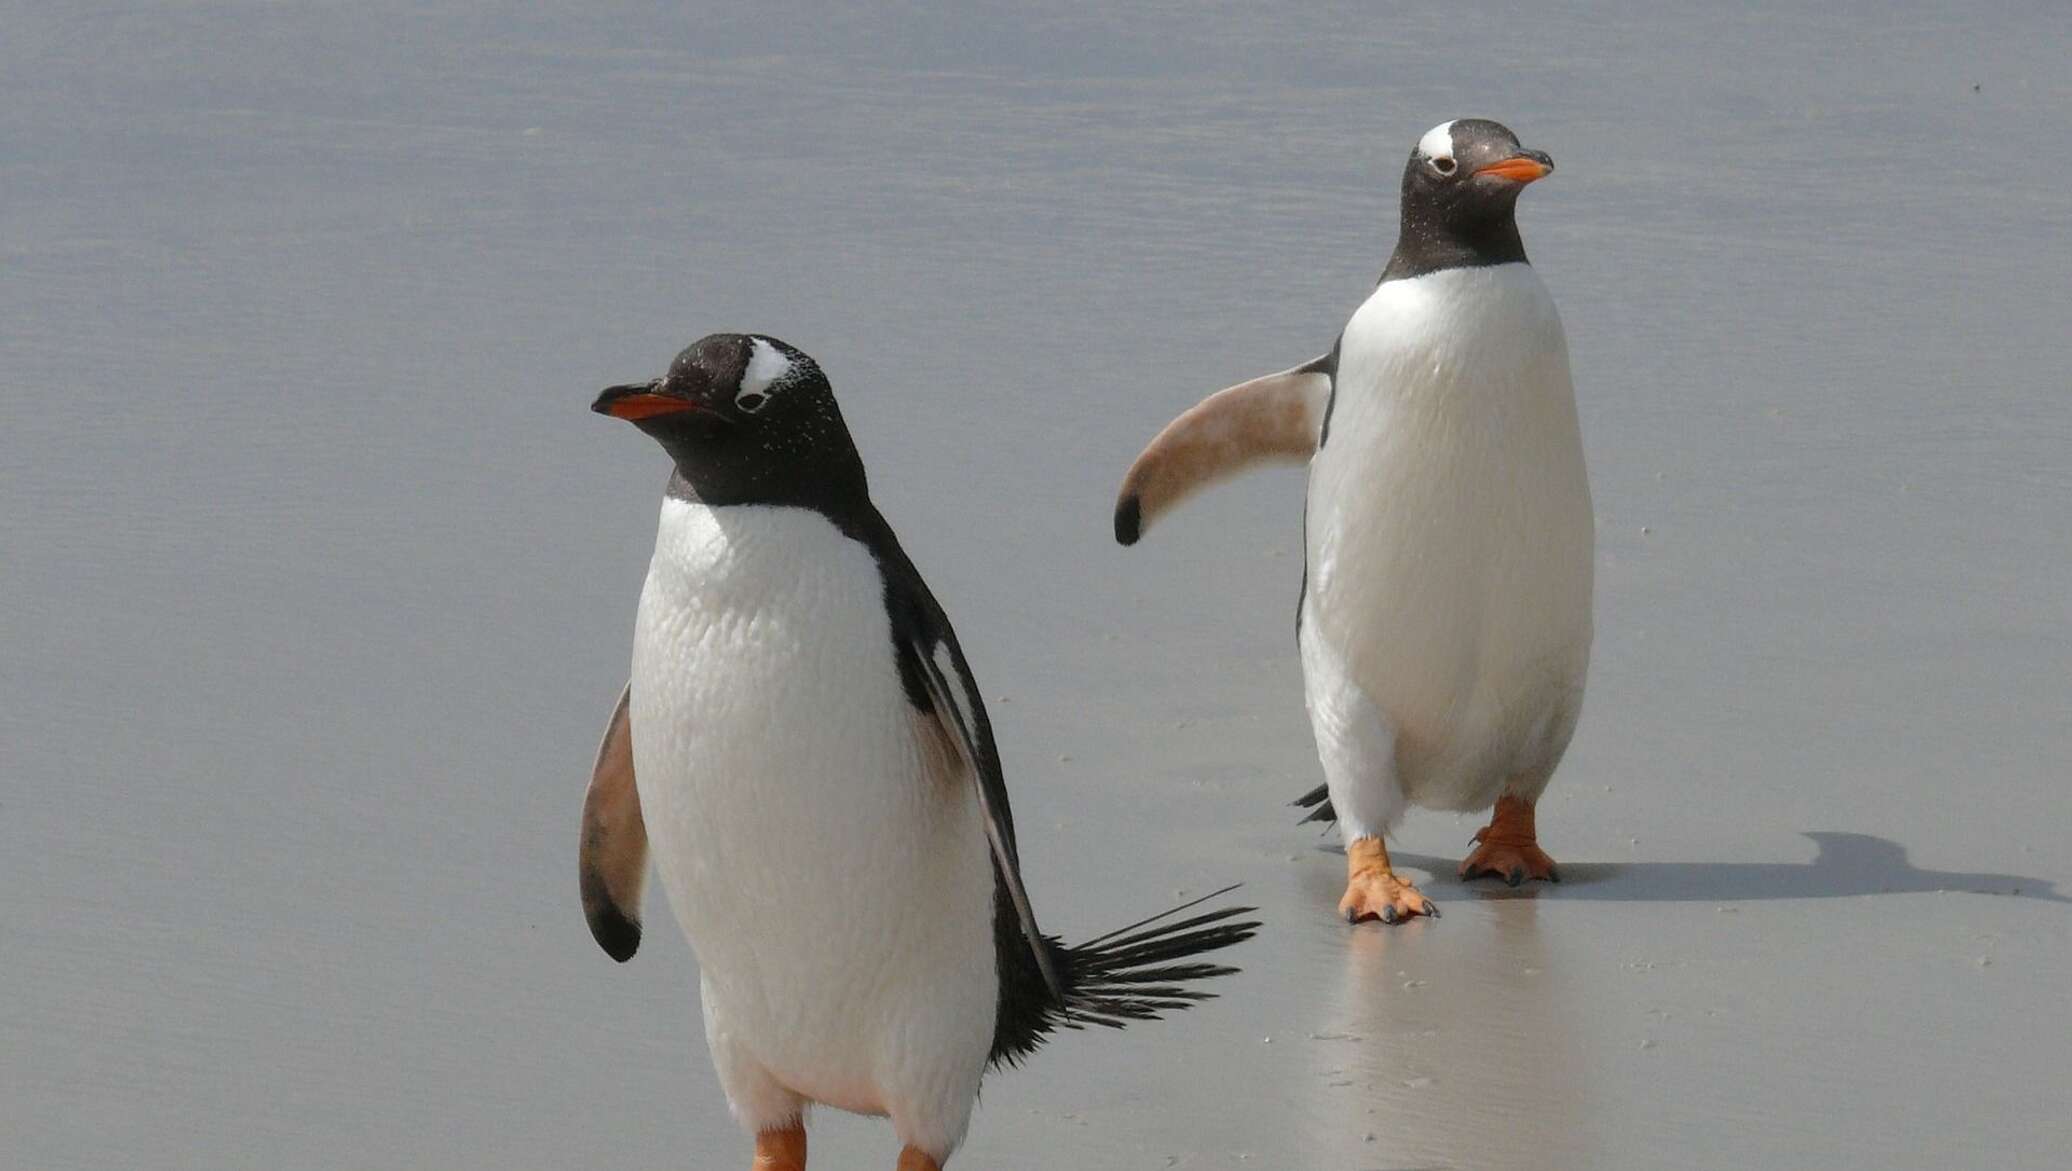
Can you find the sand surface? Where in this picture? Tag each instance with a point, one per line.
(318, 576)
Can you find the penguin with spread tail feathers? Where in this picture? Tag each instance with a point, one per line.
(803, 749)
(1445, 621)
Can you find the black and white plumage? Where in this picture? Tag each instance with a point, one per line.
(804, 746)
(1445, 621)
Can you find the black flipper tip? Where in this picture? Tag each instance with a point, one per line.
(1129, 520)
(616, 934)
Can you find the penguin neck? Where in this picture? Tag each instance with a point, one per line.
(835, 488)
(1429, 243)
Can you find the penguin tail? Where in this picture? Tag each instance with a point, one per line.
(1318, 802)
(1134, 973)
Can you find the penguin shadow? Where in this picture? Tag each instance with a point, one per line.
(1844, 865)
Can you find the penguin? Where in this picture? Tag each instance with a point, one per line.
(803, 749)
(1445, 615)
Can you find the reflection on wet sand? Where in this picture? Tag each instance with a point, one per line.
(1448, 1045)
(1846, 864)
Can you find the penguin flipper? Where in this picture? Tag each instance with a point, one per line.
(612, 860)
(1276, 418)
(955, 737)
(960, 719)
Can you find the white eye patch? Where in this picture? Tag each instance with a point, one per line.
(1437, 142)
(767, 366)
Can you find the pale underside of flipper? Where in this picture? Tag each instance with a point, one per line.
(1274, 419)
(612, 861)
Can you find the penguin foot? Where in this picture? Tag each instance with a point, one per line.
(911, 1159)
(1372, 890)
(1513, 864)
(1384, 897)
(1507, 847)
(783, 1149)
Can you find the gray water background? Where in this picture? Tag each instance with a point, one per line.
(316, 576)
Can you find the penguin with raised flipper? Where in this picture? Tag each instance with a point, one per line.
(1445, 616)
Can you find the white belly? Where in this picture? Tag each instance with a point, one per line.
(840, 904)
(1449, 528)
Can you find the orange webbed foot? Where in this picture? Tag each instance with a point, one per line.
(1372, 890)
(1508, 847)
(1384, 897)
(1513, 864)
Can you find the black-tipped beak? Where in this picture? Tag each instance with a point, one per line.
(643, 400)
(1523, 167)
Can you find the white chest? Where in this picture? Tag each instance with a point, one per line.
(1474, 356)
(758, 620)
(831, 889)
(1452, 435)
(1449, 524)
(768, 716)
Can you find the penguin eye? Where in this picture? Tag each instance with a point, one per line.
(750, 402)
(1443, 166)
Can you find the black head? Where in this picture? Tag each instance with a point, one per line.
(1460, 190)
(748, 420)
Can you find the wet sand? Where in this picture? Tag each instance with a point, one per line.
(319, 575)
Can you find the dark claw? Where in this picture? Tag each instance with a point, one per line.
(1352, 914)
(1553, 875)
(1430, 909)
(1516, 876)
(1388, 914)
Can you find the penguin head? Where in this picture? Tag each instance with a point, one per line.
(1470, 170)
(1460, 190)
(747, 418)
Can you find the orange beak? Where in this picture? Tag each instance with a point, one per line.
(1518, 169)
(647, 406)
(641, 401)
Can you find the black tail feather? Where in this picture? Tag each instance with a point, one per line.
(1134, 973)
(1147, 921)
(1318, 802)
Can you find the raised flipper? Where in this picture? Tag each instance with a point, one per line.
(1272, 419)
(613, 858)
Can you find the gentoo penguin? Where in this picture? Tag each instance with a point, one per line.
(1445, 615)
(803, 747)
